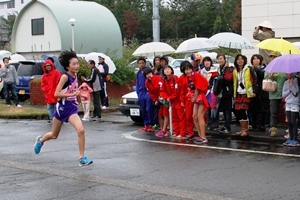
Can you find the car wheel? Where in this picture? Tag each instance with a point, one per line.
(137, 119)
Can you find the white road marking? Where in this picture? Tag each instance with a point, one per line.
(129, 136)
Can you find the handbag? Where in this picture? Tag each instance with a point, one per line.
(269, 85)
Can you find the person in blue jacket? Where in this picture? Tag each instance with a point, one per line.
(144, 98)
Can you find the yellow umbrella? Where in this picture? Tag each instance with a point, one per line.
(280, 45)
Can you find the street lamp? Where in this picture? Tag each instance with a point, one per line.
(72, 21)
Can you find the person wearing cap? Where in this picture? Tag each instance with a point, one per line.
(49, 82)
(196, 61)
(262, 32)
(276, 96)
(104, 69)
(144, 97)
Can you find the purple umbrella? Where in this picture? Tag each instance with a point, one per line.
(288, 64)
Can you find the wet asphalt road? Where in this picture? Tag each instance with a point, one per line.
(129, 164)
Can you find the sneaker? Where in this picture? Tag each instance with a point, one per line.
(49, 122)
(38, 145)
(213, 128)
(294, 143)
(287, 143)
(19, 106)
(149, 129)
(8, 105)
(104, 107)
(85, 161)
(85, 119)
(144, 128)
(287, 136)
(200, 140)
(160, 133)
(224, 130)
(179, 137)
(190, 138)
(155, 126)
(287, 130)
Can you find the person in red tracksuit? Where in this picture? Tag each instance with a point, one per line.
(200, 107)
(170, 91)
(153, 84)
(187, 82)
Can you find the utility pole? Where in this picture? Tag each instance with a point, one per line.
(156, 21)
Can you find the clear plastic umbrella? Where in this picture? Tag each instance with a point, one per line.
(230, 40)
(153, 49)
(194, 45)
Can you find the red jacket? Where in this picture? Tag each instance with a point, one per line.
(49, 82)
(153, 87)
(170, 88)
(185, 82)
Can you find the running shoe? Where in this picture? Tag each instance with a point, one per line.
(144, 128)
(179, 137)
(160, 133)
(294, 143)
(224, 130)
(287, 143)
(38, 145)
(149, 129)
(85, 161)
(190, 138)
(200, 141)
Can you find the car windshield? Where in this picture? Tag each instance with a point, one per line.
(29, 69)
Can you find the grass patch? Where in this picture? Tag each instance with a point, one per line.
(28, 112)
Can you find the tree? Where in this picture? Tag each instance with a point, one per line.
(9, 23)
(131, 23)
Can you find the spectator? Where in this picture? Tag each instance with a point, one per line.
(170, 91)
(153, 83)
(244, 88)
(210, 72)
(10, 79)
(196, 61)
(157, 68)
(276, 96)
(85, 95)
(95, 80)
(224, 90)
(104, 69)
(262, 32)
(66, 108)
(290, 92)
(260, 103)
(144, 98)
(49, 82)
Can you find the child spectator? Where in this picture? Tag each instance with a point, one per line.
(290, 92)
(153, 83)
(210, 72)
(85, 96)
(170, 91)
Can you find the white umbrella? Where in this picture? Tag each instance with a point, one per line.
(194, 45)
(94, 56)
(153, 49)
(17, 57)
(230, 40)
(297, 44)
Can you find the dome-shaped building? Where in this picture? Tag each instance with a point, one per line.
(43, 26)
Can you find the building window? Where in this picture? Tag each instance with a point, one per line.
(11, 4)
(37, 26)
(22, 1)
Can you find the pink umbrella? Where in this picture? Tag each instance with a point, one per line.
(288, 64)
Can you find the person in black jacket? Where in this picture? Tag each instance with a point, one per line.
(225, 91)
(96, 81)
(104, 69)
